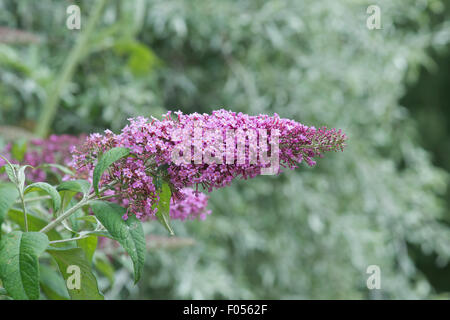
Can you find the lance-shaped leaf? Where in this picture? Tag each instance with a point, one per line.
(163, 206)
(10, 170)
(54, 195)
(75, 186)
(52, 284)
(129, 233)
(107, 159)
(21, 177)
(103, 265)
(66, 200)
(88, 244)
(8, 195)
(76, 271)
(67, 191)
(19, 263)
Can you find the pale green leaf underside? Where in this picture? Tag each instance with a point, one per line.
(50, 190)
(74, 185)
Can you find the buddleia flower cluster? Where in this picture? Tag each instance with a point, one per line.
(200, 150)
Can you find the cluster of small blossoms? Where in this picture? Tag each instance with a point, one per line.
(54, 149)
(193, 206)
(216, 149)
(287, 141)
(137, 188)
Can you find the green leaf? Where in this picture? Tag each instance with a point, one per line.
(8, 195)
(66, 200)
(75, 186)
(34, 223)
(65, 258)
(71, 223)
(56, 198)
(107, 159)
(19, 263)
(129, 233)
(52, 284)
(91, 222)
(88, 244)
(73, 218)
(163, 206)
(105, 268)
(10, 170)
(21, 177)
(59, 167)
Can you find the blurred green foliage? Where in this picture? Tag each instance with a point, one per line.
(306, 234)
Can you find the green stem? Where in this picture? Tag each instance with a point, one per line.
(25, 218)
(107, 197)
(65, 215)
(86, 200)
(49, 111)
